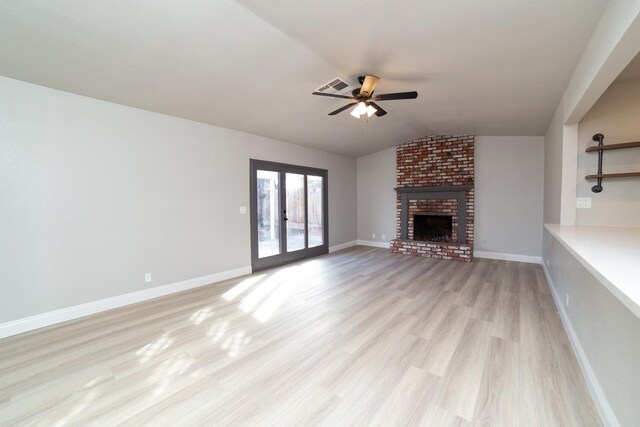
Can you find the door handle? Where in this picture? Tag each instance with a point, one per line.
(285, 215)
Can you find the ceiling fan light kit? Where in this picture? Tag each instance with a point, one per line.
(371, 111)
(364, 99)
(361, 109)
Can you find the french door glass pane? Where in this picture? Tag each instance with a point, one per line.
(268, 213)
(295, 212)
(315, 220)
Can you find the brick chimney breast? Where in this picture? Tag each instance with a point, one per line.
(443, 163)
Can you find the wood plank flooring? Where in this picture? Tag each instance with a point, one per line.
(360, 337)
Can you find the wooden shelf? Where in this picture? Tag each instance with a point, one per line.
(613, 175)
(613, 146)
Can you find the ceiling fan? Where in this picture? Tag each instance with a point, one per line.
(364, 100)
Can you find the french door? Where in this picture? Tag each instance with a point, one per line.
(288, 213)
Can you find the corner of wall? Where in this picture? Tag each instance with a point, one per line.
(569, 173)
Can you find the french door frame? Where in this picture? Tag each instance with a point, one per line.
(285, 256)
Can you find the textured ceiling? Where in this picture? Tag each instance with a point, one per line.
(491, 68)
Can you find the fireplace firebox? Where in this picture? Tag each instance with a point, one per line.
(433, 228)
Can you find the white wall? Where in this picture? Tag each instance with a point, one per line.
(93, 195)
(509, 193)
(560, 168)
(376, 196)
(617, 116)
(553, 169)
(509, 181)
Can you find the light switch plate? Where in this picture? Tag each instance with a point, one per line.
(583, 202)
(243, 210)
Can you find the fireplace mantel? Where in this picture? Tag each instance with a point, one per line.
(458, 192)
(434, 189)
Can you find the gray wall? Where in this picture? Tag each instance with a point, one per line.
(553, 169)
(509, 184)
(617, 116)
(509, 176)
(608, 332)
(376, 196)
(93, 195)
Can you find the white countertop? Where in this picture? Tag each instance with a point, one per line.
(611, 254)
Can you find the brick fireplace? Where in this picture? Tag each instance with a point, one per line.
(435, 196)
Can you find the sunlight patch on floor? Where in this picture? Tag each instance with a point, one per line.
(86, 400)
(92, 383)
(262, 291)
(232, 293)
(273, 301)
(234, 343)
(217, 330)
(155, 347)
(168, 371)
(201, 315)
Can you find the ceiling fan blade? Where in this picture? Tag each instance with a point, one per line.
(392, 96)
(369, 85)
(341, 109)
(332, 95)
(379, 111)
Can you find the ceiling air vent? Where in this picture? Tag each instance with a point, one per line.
(335, 86)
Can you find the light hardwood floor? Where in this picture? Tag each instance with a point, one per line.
(360, 337)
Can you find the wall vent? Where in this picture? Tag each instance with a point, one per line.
(335, 86)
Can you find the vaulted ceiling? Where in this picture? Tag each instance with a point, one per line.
(489, 68)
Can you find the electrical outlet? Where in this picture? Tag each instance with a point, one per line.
(243, 210)
(566, 301)
(147, 277)
(373, 236)
(384, 237)
(583, 202)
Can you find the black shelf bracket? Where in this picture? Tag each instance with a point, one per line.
(601, 148)
(600, 139)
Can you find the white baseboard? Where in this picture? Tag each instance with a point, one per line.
(342, 246)
(373, 243)
(604, 409)
(26, 324)
(508, 257)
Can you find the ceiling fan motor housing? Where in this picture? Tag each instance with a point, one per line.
(357, 95)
